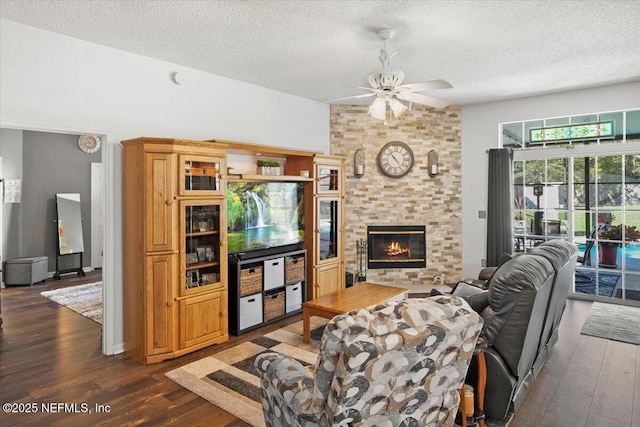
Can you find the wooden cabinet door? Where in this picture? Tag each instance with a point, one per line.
(159, 198)
(203, 318)
(328, 174)
(202, 245)
(201, 175)
(329, 231)
(160, 316)
(329, 278)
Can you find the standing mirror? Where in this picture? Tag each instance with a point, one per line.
(70, 238)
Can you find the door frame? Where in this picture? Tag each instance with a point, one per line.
(110, 279)
(97, 215)
(581, 151)
(1, 218)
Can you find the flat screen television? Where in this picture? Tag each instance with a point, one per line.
(264, 215)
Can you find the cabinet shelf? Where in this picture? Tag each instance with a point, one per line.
(255, 177)
(201, 265)
(201, 233)
(200, 288)
(280, 291)
(202, 171)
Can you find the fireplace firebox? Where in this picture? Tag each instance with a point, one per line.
(396, 246)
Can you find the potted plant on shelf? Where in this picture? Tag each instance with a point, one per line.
(268, 167)
(608, 251)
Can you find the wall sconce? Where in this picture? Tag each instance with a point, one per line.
(358, 163)
(432, 161)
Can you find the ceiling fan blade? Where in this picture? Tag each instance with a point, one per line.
(425, 86)
(423, 99)
(366, 95)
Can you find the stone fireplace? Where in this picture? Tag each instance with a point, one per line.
(416, 198)
(396, 246)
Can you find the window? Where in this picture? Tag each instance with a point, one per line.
(588, 194)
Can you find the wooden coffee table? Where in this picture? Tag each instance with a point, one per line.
(358, 296)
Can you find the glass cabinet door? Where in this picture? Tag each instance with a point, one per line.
(328, 179)
(328, 228)
(201, 250)
(200, 175)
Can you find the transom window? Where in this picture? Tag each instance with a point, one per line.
(589, 129)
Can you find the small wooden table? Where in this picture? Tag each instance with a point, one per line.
(478, 415)
(358, 296)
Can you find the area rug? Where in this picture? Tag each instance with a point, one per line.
(83, 299)
(629, 294)
(613, 322)
(228, 379)
(607, 282)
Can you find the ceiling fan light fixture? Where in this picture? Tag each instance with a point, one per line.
(378, 109)
(386, 79)
(397, 107)
(387, 85)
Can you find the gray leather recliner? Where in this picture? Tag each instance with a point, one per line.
(518, 295)
(563, 257)
(522, 308)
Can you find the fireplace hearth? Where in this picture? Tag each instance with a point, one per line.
(396, 246)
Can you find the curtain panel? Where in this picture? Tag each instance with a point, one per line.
(499, 218)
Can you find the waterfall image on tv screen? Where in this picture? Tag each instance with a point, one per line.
(264, 214)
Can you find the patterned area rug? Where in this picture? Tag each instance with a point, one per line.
(613, 322)
(83, 299)
(229, 380)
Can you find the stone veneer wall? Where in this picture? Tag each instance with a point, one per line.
(416, 198)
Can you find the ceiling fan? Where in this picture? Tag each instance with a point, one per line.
(387, 86)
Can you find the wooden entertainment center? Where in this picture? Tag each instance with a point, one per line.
(179, 294)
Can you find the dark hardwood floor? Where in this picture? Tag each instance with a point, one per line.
(50, 354)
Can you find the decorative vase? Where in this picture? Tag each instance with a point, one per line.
(608, 255)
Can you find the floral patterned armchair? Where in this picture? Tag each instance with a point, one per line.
(399, 363)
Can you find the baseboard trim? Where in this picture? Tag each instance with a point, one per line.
(117, 349)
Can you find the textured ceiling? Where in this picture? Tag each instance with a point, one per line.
(323, 50)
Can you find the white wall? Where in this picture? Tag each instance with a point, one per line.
(480, 132)
(56, 83)
(11, 150)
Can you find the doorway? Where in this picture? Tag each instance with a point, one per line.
(592, 201)
(47, 162)
(578, 178)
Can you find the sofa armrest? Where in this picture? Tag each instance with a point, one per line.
(287, 384)
(486, 273)
(476, 297)
(482, 284)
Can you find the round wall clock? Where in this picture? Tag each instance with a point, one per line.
(395, 159)
(89, 143)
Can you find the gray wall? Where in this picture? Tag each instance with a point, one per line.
(51, 163)
(11, 153)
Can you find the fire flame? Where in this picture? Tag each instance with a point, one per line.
(395, 249)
